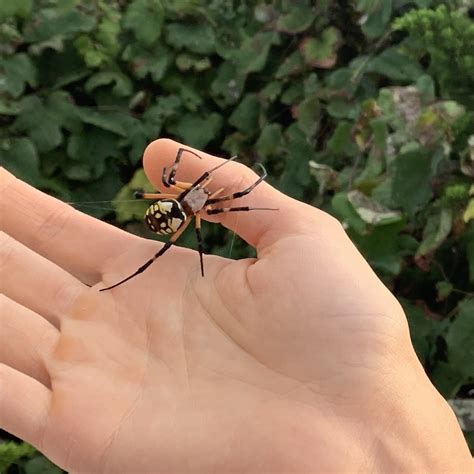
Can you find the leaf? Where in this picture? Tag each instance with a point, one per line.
(127, 211)
(292, 65)
(443, 289)
(143, 62)
(372, 212)
(112, 121)
(253, 52)
(460, 339)
(345, 211)
(196, 38)
(245, 116)
(341, 141)
(469, 211)
(18, 71)
(395, 65)
(228, 84)
(19, 156)
(309, 115)
(195, 130)
(270, 140)
(435, 232)
(39, 123)
(297, 20)
(90, 150)
(123, 86)
(41, 465)
(145, 18)
(375, 15)
(21, 8)
(11, 452)
(423, 331)
(380, 246)
(51, 22)
(322, 52)
(411, 189)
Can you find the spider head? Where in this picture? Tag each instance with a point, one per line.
(165, 216)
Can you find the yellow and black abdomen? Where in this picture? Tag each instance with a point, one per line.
(165, 216)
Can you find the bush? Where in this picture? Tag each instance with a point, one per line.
(371, 122)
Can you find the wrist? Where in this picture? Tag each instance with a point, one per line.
(419, 432)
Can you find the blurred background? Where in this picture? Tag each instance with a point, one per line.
(364, 108)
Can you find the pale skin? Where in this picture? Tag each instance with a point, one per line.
(297, 361)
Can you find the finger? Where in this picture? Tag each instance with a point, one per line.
(35, 282)
(259, 228)
(25, 339)
(76, 242)
(24, 404)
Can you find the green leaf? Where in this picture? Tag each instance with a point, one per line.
(460, 339)
(411, 188)
(122, 84)
(18, 71)
(142, 62)
(443, 289)
(292, 65)
(375, 16)
(345, 211)
(196, 38)
(90, 151)
(341, 141)
(246, 114)
(145, 18)
(372, 212)
(380, 246)
(423, 331)
(270, 140)
(127, 211)
(19, 156)
(253, 53)
(11, 452)
(228, 84)
(115, 122)
(435, 232)
(39, 123)
(322, 52)
(395, 65)
(195, 130)
(41, 465)
(309, 115)
(50, 22)
(20, 8)
(297, 20)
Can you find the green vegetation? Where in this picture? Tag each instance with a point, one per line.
(363, 108)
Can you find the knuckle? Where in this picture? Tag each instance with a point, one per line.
(54, 224)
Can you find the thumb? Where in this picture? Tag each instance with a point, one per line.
(259, 228)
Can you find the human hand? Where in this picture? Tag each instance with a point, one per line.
(297, 361)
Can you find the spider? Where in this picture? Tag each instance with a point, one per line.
(171, 213)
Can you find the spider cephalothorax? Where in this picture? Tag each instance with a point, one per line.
(170, 213)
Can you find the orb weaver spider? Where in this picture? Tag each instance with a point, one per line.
(171, 213)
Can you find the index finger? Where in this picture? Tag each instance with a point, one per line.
(260, 228)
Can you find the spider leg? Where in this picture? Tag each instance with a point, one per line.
(152, 196)
(199, 240)
(158, 254)
(203, 177)
(220, 210)
(239, 194)
(167, 181)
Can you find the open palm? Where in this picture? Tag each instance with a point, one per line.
(249, 369)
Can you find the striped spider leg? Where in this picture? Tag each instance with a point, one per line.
(171, 213)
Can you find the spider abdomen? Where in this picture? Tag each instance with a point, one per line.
(165, 216)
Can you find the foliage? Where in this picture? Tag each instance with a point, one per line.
(363, 108)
